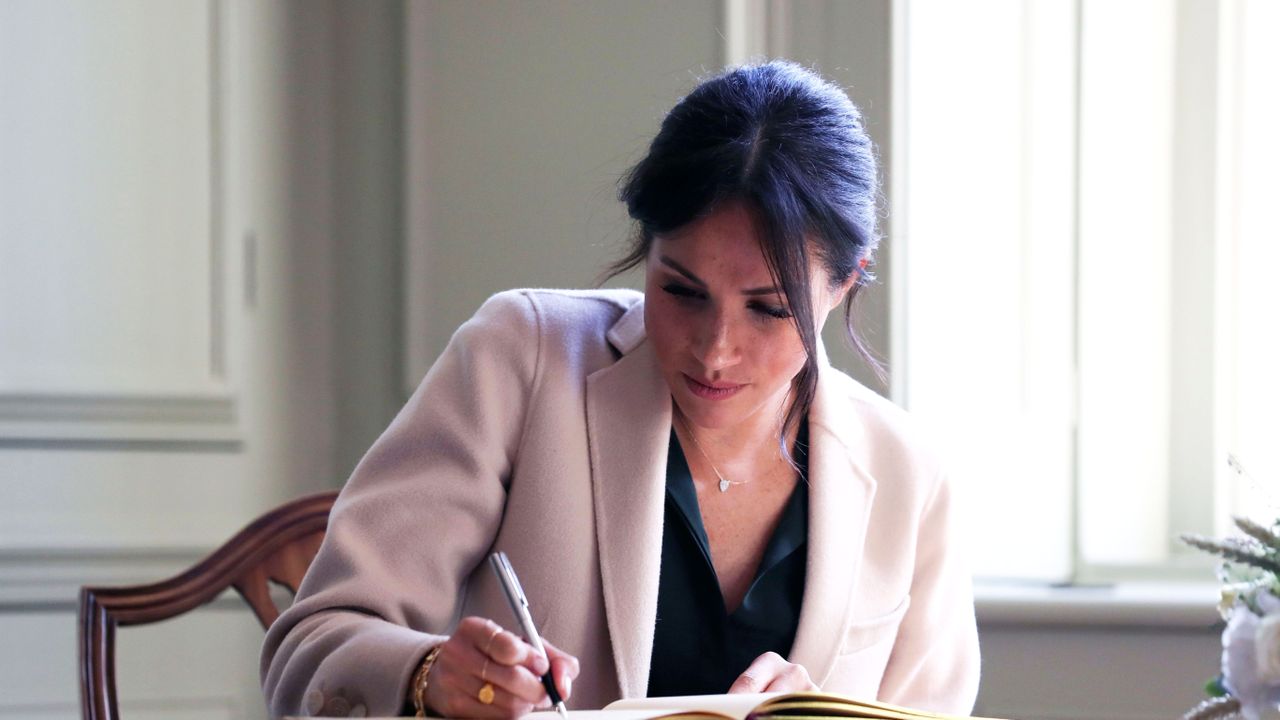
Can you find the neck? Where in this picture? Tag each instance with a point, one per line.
(754, 440)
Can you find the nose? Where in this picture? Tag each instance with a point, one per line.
(717, 346)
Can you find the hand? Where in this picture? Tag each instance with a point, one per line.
(772, 673)
(482, 652)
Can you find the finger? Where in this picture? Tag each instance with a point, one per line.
(746, 683)
(480, 632)
(452, 694)
(457, 694)
(508, 649)
(517, 680)
(564, 668)
(504, 704)
(759, 674)
(563, 673)
(793, 678)
(556, 653)
(476, 629)
(500, 645)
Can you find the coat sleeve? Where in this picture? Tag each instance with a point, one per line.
(935, 662)
(415, 519)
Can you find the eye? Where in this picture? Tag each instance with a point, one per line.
(776, 312)
(682, 292)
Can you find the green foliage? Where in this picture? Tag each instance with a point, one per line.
(1248, 551)
(1214, 688)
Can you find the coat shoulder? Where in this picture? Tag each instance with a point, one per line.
(893, 441)
(557, 312)
(573, 331)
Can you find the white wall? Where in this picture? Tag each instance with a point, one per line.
(522, 117)
(199, 244)
(1055, 662)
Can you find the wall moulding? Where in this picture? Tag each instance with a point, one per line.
(220, 707)
(68, 382)
(49, 579)
(50, 418)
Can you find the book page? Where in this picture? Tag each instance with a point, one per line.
(736, 706)
(627, 714)
(632, 714)
(725, 707)
(791, 706)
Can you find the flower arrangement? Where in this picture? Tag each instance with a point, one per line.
(1249, 686)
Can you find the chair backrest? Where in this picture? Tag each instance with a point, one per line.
(277, 547)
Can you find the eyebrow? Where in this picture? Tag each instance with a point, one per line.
(766, 290)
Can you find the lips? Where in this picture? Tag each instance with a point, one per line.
(712, 391)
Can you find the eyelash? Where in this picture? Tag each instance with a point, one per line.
(680, 292)
(773, 311)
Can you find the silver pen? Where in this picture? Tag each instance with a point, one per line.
(520, 607)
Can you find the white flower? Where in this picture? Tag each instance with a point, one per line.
(1230, 593)
(1266, 647)
(1233, 592)
(1251, 658)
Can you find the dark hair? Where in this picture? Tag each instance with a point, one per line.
(789, 145)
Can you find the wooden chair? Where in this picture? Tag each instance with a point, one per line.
(277, 547)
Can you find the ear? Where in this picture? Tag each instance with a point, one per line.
(838, 293)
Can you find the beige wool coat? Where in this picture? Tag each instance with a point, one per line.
(542, 431)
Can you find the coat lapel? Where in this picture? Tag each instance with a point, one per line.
(840, 495)
(628, 426)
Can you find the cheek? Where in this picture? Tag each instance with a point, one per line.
(794, 359)
(782, 355)
(662, 325)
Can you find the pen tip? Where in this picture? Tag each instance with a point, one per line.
(564, 712)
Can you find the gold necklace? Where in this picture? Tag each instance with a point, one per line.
(724, 482)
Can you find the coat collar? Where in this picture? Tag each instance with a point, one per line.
(840, 497)
(628, 426)
(628, 421)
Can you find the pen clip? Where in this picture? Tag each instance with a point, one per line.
(513, 578)
(508, 580)
(512, 589)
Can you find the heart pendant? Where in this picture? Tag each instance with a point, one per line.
(724, 484)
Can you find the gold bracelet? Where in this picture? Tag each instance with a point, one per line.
(420, 679)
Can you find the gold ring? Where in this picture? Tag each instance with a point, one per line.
(488, 645)
(484, 668)
(485, 695)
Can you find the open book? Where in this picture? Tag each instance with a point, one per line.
(766, 706)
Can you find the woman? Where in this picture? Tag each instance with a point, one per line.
(696, 501)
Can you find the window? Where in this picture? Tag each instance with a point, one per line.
(1081, 261)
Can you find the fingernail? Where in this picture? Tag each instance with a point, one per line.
(568, 684)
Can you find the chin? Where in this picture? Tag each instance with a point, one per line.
(711, 414)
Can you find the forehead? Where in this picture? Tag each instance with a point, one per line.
(726, 240)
